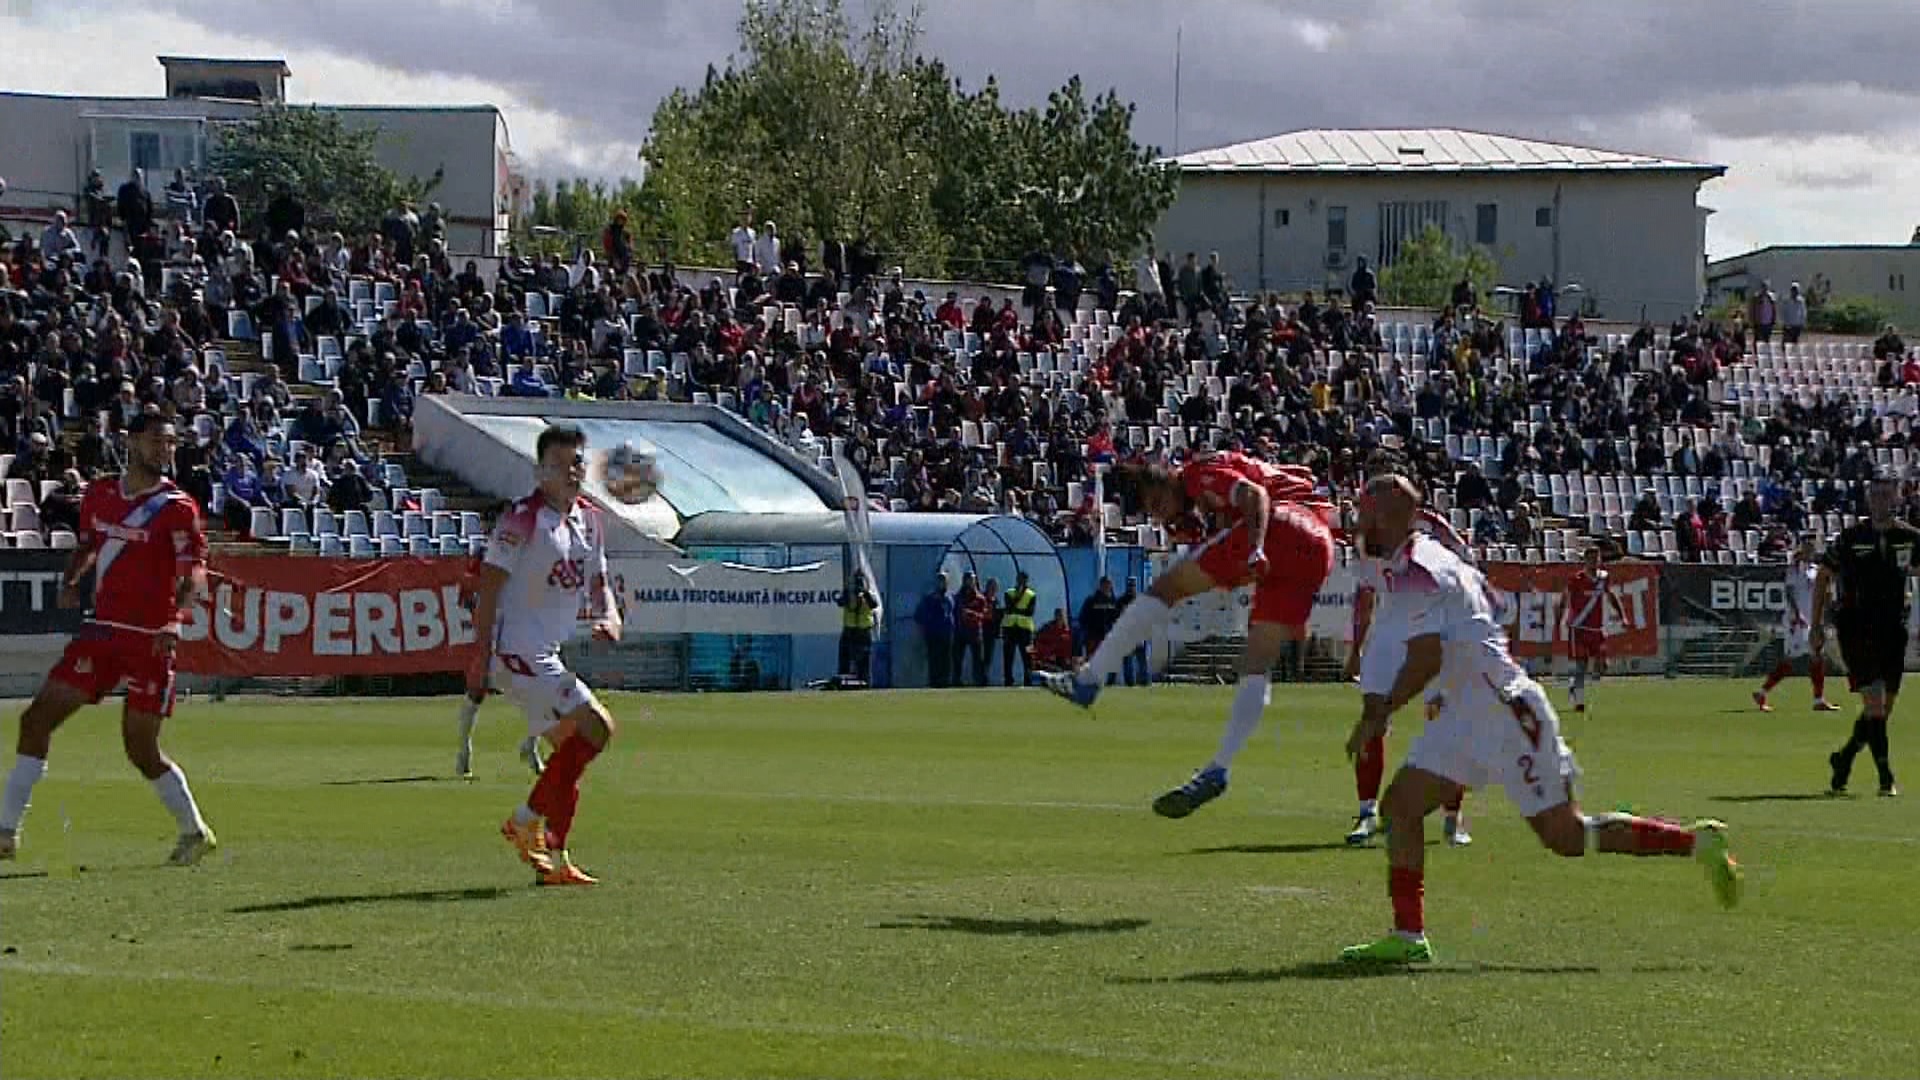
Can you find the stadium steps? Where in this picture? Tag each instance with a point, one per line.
(457, 492)
(1211, 662)
(1725, 653)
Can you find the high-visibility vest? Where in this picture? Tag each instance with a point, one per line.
(857, 614)
(1020, 604)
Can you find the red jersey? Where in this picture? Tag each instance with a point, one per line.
(1210, 480)
(1588, 597)
(143, 544)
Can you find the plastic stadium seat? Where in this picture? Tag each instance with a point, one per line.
(446, 523)
(29, 539)
(265, 524)
(360, 547)
(392, 545)
(301, 544)
(355, 523)
(293, 522)
(415, 523)
(324, 522)
(331, 547)
(62, 540)
(472, 524)
(419, 545)
(20, 492)
(452, 546)
(384, 524)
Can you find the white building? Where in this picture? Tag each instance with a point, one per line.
(1888, 274)
(1296, 211)
(48, 143)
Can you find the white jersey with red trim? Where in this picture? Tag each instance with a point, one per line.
(556, 567)
(1427, 589)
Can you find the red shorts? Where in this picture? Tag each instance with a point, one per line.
(1587, 644)
(100, 657)
(1299, 558)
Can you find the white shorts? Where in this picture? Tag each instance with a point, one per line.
(543, 688)
(1483, 737)
(1798, 641)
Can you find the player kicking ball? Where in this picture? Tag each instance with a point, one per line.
(1796, 630)
(546, 562)
(1261, 537)
(1495, 726)
(136, 531)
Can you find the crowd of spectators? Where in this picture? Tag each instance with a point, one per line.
(956, 401)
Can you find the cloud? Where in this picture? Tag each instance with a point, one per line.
(1813, 104)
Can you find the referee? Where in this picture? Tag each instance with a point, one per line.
(1871, 561)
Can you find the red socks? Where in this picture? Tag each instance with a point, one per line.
(1652, 836)
(1817, 671)
(557, 793)
(1408, 890)
(1783, 669)
(1369, 768)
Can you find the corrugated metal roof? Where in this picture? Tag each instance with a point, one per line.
(1419, 150)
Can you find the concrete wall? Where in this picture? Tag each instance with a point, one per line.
(1872, 273)
(1630, 239)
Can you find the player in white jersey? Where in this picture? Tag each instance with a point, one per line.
(1796, 630)
(1495, 726)
(546, 564)
(1369, 768)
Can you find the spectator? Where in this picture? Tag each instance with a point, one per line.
(1363, 288)
(304, 484)
(935, 617)
(57, 241)
(1762, 312)
(972, 612)
(135, 206)
(1053, 646)
(1097, 615)
(743, 242)
(60, 508)
(1646, 513)
(1793, 314)
(1746, 512)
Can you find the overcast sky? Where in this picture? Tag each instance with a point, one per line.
(1814, 105)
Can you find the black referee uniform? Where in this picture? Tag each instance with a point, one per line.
(1870, 568)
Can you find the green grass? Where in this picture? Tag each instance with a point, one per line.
(934, 884)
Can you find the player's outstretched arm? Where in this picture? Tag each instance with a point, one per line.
(606, 612)
(1255, 506)
(78, 567)
(486, 612)
(1424, 657)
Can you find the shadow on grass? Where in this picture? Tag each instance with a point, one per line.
(424, 896)
(421, 779)
(1782, 796)
(329, 947)
(22, 875)
(1334, 969)
(1287, 849)
(967, 924)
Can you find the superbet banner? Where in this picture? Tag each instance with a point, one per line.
(281, 615)
(1534, 597)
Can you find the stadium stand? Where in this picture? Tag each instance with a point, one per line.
(293, 363)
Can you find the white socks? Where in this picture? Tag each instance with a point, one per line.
(171, 786)
(27, 772)
(1250, 699)
(469, 715)
(1135, 625)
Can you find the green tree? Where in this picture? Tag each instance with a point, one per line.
(836, 132)
(1424, 272)
(1849, 315)
(329, 166)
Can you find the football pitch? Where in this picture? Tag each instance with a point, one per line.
(944, 884)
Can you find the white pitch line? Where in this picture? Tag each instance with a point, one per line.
(635, 1012)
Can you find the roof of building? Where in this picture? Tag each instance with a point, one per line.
(222, 61)
(1421, 150)
(1794, 249)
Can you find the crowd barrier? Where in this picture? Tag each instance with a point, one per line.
(716, 625)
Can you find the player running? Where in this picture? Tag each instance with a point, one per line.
(470, 705)
(1262, 536)
(1589, 597)
(1796, 629)
(140, 536)
(1495, 726)
(546, 562)
(1369, 767)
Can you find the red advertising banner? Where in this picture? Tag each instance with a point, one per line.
(1536, 595)
(290, 615)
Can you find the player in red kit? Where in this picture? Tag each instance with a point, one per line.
(1589, 598)
(140, 536)
(1261, 533)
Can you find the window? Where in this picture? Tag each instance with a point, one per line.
(1486, 224)
(1896, 283)
(1404, 221)
(1543, 217)
(143, 149)
(1337, 228)
(1282, 218)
